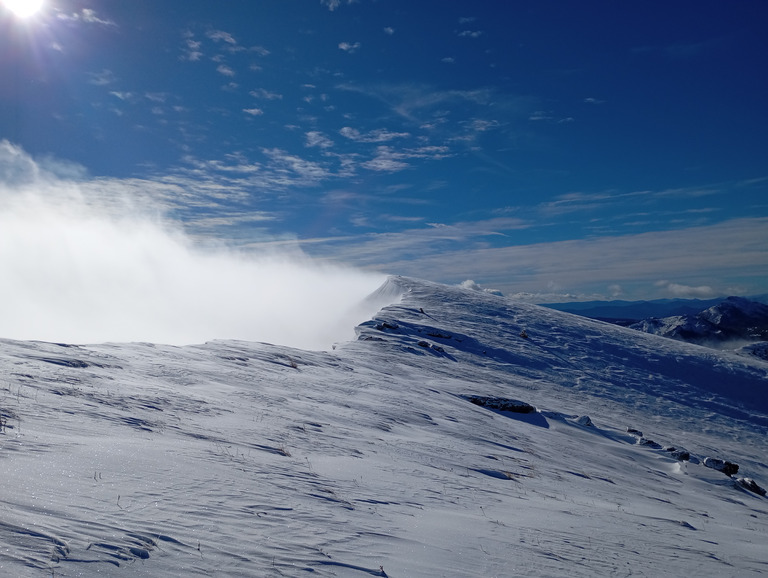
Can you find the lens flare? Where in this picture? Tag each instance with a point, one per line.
(23, 8)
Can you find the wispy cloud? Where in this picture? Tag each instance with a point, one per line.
(580, 202)
(334, 4)
(389, 30)
(216, 197)
(317, 139)
(704, 257)
(619, 210)
(192, 48)
(87, 15)
(265, 94)
(391, 160)
(122, 95)
(260, 50)
(225, 70)
(90, 16)
(253, 111)
(159, 97)
(470, 130)
(373, 136)
(221, 36)
(384, 162)
(349, 47)
(414, 102)
(549, 116)
(470, 33)
(103, 78)
(423, 243)
(294, 169)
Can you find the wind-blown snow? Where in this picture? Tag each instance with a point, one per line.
(244, 459)
(81, 267)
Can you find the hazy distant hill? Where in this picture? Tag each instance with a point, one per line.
(635, 310)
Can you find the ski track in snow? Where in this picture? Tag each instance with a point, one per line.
(247, 459)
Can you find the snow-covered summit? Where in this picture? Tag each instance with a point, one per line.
(735, 318)
(461, 434)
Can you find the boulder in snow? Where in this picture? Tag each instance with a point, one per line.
(679, 454)
(585, 421)
(502, 404)
(642, 441)
(728, 468)
(751, 485)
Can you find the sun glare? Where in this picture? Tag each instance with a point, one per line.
(23, 8)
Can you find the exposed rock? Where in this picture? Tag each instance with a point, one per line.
(751, 485)
(759, 350)
(634, 432)
(646, 442)
(585, 421)
(502, 404)
(439, 335)
(728, 468)
(680, 454)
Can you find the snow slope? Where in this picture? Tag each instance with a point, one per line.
(245, 459)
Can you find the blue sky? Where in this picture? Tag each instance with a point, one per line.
(561, 149)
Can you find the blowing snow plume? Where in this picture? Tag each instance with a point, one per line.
(78, 269)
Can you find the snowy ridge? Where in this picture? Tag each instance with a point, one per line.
(734, 318)
(246, 459)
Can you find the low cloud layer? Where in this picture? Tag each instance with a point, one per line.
(80, 268)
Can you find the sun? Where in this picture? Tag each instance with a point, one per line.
(23, 8)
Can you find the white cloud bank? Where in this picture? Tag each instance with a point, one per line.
(77, 268)
(686, 291)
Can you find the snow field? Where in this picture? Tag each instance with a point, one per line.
(239, 459)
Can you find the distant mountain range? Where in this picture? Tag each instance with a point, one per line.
(710, 322)
(633, 311)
